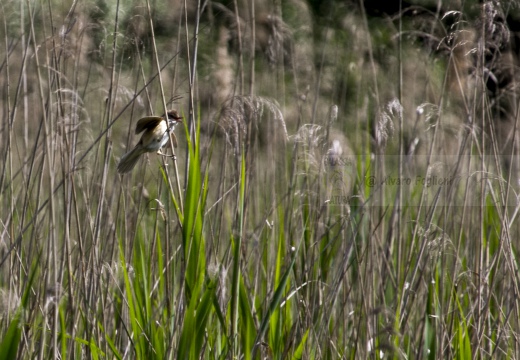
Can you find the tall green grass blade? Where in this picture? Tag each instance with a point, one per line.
(193, 242)
(133, 311)
(200, 298)
(110, 343)
(430, 345)
(186, 348)
(236, 245)
(13, 336)
(11, 340)
(298, 353)
(461, 342)
(63, 335)
(273, 305)
(247, 323)
(275, 326)
(196, 317)
(95, 351)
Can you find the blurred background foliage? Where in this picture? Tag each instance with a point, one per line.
(295, 83)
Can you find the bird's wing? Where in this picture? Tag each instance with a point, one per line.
(148, 122)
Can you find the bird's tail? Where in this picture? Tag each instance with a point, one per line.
(129, 160)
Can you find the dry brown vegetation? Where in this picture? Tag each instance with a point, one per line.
(346, 185)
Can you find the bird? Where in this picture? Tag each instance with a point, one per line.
(154, 137)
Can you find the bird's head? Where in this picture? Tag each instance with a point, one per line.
(173, 117)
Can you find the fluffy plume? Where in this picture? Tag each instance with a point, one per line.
(241, 114)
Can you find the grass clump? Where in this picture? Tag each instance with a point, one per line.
(345, 184)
